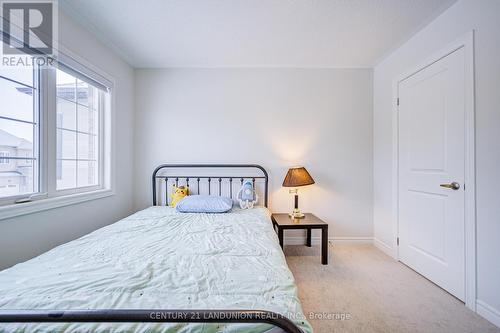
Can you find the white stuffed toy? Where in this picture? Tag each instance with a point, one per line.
(247, 196)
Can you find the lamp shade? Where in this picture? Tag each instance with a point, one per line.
(297, 177)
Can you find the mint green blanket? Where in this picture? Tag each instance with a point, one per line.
(159, 259)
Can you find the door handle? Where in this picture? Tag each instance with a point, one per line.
(452, 186)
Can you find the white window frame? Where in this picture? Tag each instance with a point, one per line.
(52, 177)
(48, 197)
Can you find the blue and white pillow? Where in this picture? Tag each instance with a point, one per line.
(204, 204)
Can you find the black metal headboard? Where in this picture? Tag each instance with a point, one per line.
(219, 180)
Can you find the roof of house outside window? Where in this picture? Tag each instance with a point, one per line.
(10, 140)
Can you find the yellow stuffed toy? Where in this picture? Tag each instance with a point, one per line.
(178, 193)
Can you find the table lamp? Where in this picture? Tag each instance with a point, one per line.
(295, 177)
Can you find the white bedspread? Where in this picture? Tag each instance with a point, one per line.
(159, 259)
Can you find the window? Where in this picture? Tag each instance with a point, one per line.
(54, 132)
(4, 157)
(79, 107)
(18, 132)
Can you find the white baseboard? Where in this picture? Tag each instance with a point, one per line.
(358, 240)
(390, 251)
(298, 240)
(488, 312)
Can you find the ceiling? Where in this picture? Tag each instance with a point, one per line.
(254, 33)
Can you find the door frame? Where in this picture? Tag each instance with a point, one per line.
(467, 43)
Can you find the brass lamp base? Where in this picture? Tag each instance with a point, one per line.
(296, 214)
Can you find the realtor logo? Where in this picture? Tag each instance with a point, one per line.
(28, 27)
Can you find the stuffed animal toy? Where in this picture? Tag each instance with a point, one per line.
(246, 195)
(178, 193)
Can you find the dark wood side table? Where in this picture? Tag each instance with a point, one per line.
(309, 222)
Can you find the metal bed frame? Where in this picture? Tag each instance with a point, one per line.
(176, 179)
(160, 315)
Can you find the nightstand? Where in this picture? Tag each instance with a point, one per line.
(309, 222)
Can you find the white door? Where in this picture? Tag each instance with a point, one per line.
(431, 172)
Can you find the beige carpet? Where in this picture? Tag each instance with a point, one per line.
(378, 293)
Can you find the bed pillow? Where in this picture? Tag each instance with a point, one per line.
(204, 204)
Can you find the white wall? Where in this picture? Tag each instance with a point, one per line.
(465, 15)
(26, 236)
(319, 118)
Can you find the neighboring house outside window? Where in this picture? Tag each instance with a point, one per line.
(15, 178)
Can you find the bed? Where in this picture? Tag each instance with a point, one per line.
(159, 270)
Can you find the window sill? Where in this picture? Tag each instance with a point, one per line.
(31, 207)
